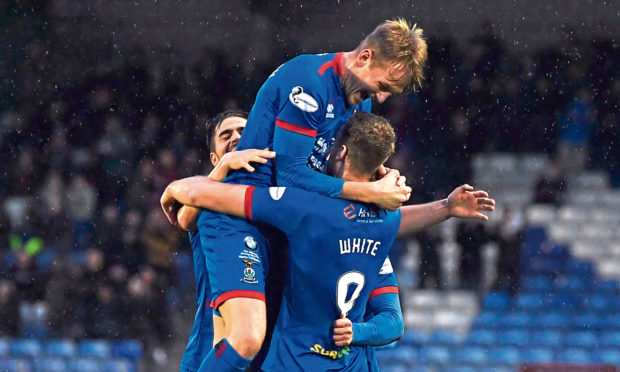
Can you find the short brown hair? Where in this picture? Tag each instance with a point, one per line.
(369, 139)
(213, 124)
(396, 41)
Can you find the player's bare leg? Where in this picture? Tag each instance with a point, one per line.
(218, 329)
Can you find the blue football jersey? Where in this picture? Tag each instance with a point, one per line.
(201, 338)
(305, 96)
(336, 249)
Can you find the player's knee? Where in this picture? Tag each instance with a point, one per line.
(247, 344)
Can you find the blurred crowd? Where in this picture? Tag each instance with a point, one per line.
(88, 144)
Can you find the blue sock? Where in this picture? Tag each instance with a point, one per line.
(223, 358)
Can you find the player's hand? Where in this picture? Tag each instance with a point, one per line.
(243, 158)
(170, 206)
(391, 191)
(343, 331)
(467, 203)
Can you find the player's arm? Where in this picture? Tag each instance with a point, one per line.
(294, 144)
(187, 216)
(201, 192)
(463, 202)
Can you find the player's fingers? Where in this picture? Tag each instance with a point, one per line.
(342, 343)
(467, 187)
(486, 201)
(401, 181)
(266, 154)
(481, 194)
(481, 216)
(485, 207)
(382, 171)
(247, 166)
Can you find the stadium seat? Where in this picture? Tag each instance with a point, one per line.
(496, 301)
(517, 319)
(504, 355)
(5, 348)
(537, 283)
(434, 355)
(25, 348)
(95, 348)
(550, 320)
(546, 339)
(61, 348)
(537, 355)
(14, 365)
(85, 365)
(497, 369)
(487, 319)
(400, 368)
(513, 338)
(128, 349)
(610, 339)
(50, 365)
(441, 337)
(581, 339)
(457, 368)
(611, 356)
(589, 321)
(599, 303)
(470, 355)
(481, 337)
(404, 354)
(119, 365)
(573, 355)
(413, 337)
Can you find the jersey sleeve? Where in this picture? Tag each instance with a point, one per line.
(386, 282)
(280, 207)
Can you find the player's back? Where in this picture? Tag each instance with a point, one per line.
(336, 249)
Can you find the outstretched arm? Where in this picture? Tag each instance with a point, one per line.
(201, 192)
(384, 327)
(462, 202)
(187, 216)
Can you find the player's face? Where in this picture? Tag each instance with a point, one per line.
(227, 137)
(374, 80)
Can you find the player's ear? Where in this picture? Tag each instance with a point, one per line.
(214, 158)
(364, 57)
(342, 152)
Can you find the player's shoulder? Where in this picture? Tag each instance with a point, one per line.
(305, 70)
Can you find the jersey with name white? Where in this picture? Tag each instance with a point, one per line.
(336, 249)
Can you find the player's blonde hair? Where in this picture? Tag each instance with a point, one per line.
(398, 42)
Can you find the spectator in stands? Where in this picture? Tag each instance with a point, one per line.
(30, 283)
(64, 295)
(550, 186)
(159, 240)
(81, 208)
(509, 236)
(9, 310)
(576, 124)
(471, 236)
(102, 319)
(430, 268)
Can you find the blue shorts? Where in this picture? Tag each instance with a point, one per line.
(236, 255)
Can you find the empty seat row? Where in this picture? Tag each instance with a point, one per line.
(103, 349)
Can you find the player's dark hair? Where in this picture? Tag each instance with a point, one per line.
(369, 139)
(213, 124)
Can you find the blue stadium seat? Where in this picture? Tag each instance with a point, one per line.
(5, 348)
(580, 269)
(15, 365)
(481, 337)
(530, 301)
(611, 356)
(599, 303)
(85, 365)
(119, 365)
(405, 354)
(589, 321)
(441, 337)
(470, 355)
(568, 301)
(128, 349)
(434, 355)
(607, 286)
(574, 355)
(413, 337)
(496, 301)
(487, 319)
(576, 284)
(497, 369)
(517, 319)
(537, 283)
(513, 338)
(504, 355)
(581, 339)
(610, 339)
(398, 368)
(550, 320)
(95, 348)
(61, 348)
(50, 365)
(613, 321)
(537, 355)
(457, 368)
(546, 339)
(25, 348)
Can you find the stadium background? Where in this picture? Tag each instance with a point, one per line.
(103, 103)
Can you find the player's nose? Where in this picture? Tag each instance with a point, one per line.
(235, 136)
(382, 96)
